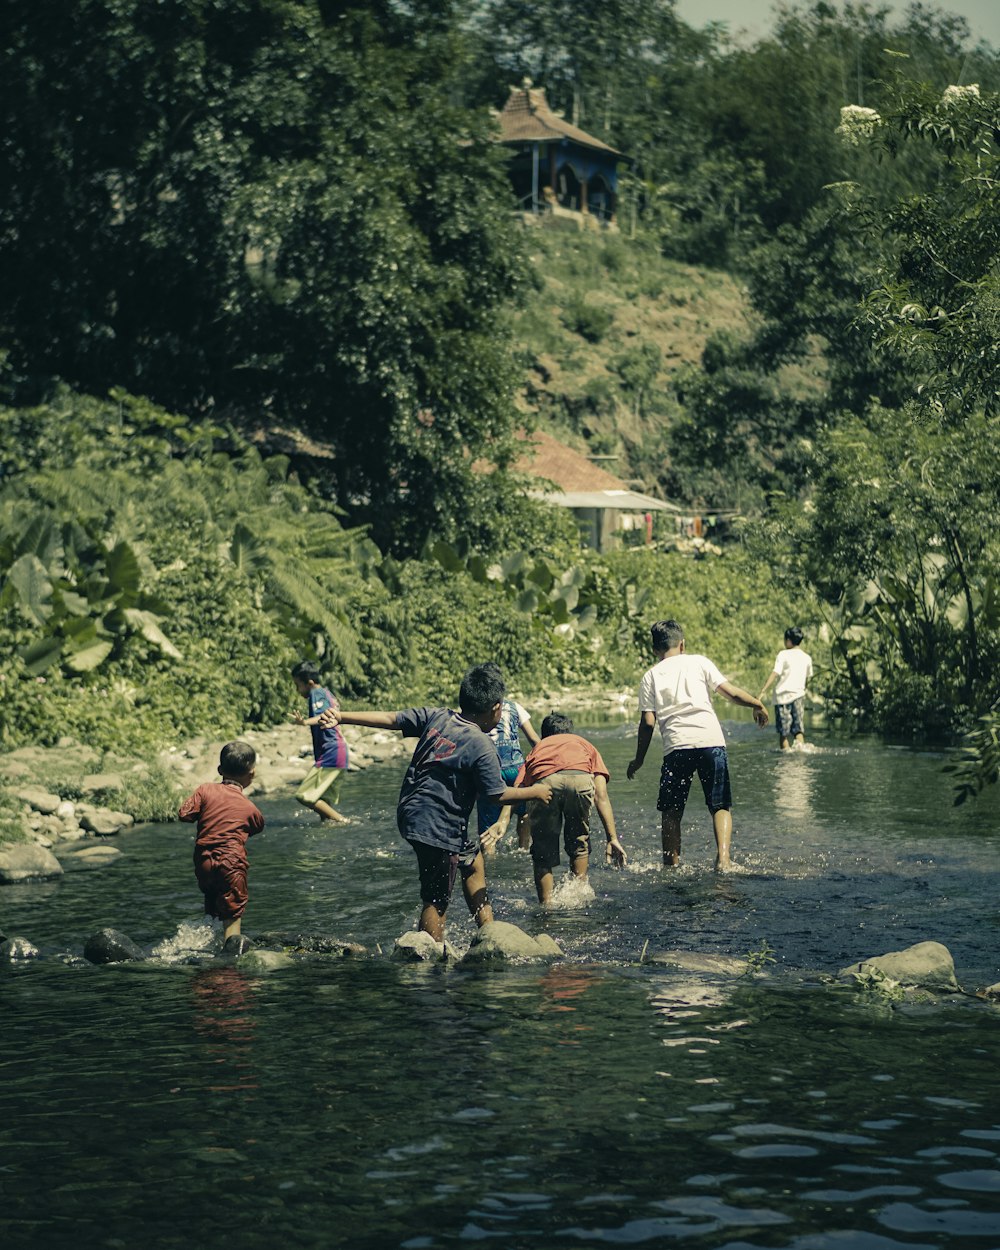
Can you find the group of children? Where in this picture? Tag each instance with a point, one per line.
(472, 759)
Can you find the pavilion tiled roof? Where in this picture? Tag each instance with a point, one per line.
(527, 117)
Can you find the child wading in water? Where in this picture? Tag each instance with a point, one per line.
(792, 669)
(454, 762)
(573, 767)
(676, 695)
(226, 819)
(321, 788)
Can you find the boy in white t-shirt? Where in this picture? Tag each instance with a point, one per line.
(792, 669)
(676, 694)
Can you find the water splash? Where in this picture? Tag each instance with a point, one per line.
(191, 936)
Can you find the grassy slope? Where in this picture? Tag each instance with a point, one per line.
(572, 382)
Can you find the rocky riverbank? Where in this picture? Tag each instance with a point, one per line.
(64, 802)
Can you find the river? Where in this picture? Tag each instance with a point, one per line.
(603, 1100)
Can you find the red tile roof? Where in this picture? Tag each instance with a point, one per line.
(546, 457)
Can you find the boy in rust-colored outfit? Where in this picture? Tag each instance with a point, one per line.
(578, 776)
(226, 819)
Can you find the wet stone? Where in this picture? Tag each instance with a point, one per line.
(27, 863)
(15, 949)
(109, 946)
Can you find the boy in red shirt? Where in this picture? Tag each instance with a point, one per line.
(573, 767)
(226, 819)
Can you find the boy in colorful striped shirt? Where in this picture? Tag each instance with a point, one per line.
(321, 788)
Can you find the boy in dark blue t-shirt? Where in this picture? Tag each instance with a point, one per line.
(454, 762)
(321, 787)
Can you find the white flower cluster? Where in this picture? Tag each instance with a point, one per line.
(857, 124)
(953, 94)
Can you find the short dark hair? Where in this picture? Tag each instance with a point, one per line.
(236, 759)
(666, 635)
(482, 688)
(305, 670)
(794, 635)
(556, 723)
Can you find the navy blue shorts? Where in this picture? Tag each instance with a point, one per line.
(712, 766)
(438, 869)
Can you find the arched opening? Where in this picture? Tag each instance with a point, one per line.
(568, 188)
(600, 198)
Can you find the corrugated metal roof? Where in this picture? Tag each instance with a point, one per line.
(624, 500)
(527, 117)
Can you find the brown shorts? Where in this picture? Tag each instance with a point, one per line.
(568, 814)
(223, 881)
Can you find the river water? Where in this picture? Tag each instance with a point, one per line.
(603, 1100)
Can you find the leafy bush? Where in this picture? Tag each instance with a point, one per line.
(591, 321)
(13, 826)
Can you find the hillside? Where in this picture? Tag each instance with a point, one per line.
(608, 323)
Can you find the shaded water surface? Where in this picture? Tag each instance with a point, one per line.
(599, 1101)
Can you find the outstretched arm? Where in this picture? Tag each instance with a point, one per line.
(615, 853)
(736, 695)
(331, 718)
(767, 685)
(643, 737)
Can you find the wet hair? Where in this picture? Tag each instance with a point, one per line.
(556, 723)
(794, 635)
(482, 688)
(236, 759)
(305, 671)
(666, 635)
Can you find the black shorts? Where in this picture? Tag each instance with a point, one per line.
(712, 766)
(438, 869)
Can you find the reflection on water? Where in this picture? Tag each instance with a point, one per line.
(600, 1100)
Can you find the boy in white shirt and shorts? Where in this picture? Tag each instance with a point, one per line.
(676, 695)
(792, 669)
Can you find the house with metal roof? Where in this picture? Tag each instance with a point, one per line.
(555, 166)
(604, 506)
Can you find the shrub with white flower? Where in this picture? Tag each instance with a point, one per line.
(857, 124)
(953, 94)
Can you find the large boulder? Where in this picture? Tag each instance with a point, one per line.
(108, 946)
(94, 783)
(38, 799)
(95, 855)
(102, 820)
(498, 940)
(27, 862)
(928, 965)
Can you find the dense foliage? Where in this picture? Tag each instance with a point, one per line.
(278, 214)
(289, 215)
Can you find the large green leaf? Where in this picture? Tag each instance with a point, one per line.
(88, 658)
(34, 588)
(146, 624)
(122, 569)
(245, 551)
(447, 557)
(41, 655)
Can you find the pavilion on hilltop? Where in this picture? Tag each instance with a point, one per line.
(557, 167)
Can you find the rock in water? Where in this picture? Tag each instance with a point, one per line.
(927, 964)
(264, 961)
(108, 946)
(15, 948)
(419, 946)
(27, 863)
(498, 940)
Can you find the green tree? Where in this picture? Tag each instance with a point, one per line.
(271, 210)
